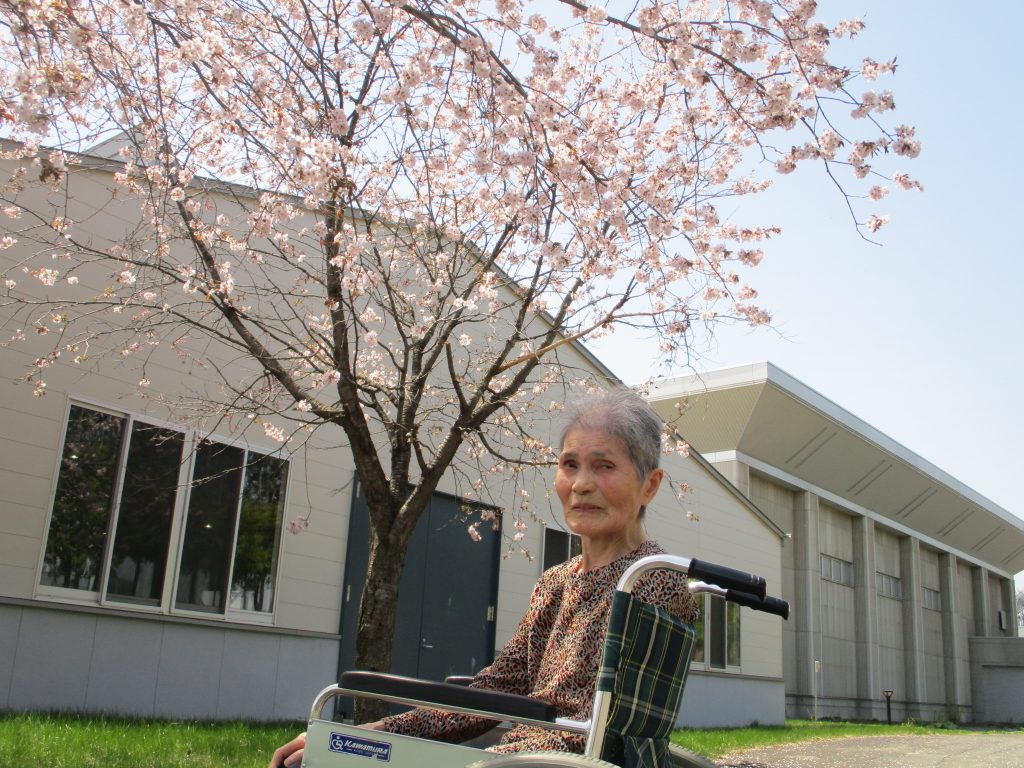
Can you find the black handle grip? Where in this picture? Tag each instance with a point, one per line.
(728, 578)
(769, 604)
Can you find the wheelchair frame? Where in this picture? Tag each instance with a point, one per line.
(336, 745)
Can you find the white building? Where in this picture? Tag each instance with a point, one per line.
(900, 576)
(126, 586)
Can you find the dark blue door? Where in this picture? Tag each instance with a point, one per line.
(449, 587)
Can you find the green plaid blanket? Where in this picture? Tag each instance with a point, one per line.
(644, 665)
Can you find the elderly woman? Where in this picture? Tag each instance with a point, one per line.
(607, 473)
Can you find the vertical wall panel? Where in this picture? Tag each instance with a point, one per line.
(890, 617)
(839, 647)
(932, 648)
(836, 533)
(965, 623)
(51, 669)
(934, 676)
(10, 626)
(188, 680)
(890, 646)
(838, 611)
(241, 693)
(125, 659)
(930, 569)
(996, 604)
(887, 552)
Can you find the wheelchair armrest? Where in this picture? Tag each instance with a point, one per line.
(501, 705)
(459, 679)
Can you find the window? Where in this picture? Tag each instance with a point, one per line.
(839, 571)
(717, 642)
(888, 586)
(122, 488)
(560, 546)
(931, 599)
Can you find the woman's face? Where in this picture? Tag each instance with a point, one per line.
(600, 489)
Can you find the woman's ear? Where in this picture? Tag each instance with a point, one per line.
(651, 485)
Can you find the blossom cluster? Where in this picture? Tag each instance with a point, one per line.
(401, 210)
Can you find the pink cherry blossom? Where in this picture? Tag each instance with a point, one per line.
(875, 223)
(405, 212)
(45, 275)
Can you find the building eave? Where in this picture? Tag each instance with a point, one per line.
(761, 411)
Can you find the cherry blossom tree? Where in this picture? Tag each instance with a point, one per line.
(394, 216)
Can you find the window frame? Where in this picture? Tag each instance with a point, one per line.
(845, 568)
(931, 599)
(704, 637)
(191, 439)
(882, 579)
(173, 544)
(240, 614)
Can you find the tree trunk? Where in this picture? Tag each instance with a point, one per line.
(378, 608)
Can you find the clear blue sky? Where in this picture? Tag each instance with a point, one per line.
(919, 336)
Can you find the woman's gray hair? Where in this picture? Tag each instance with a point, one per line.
(621, 413)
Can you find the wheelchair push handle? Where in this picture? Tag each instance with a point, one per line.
(768, 604)
(729, 578)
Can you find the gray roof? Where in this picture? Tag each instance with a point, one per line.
(761, 415)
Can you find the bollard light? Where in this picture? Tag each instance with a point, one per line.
(888, 706)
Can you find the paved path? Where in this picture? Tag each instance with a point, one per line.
(983, 750)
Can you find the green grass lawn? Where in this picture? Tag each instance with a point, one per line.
(70, 741)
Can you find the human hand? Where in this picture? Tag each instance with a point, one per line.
(289, 755)
(376, 725)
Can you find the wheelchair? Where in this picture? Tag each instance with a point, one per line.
(639, 687)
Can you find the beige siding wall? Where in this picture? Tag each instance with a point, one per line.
(32, 431)
(726, 532)
(776, 501)
(309, 593)
(319, 487)
(30, 428)
(312, 562)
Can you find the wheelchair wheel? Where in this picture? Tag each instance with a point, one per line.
(684, 758)
(541, 760)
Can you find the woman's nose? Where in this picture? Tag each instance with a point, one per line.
(582, 482)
